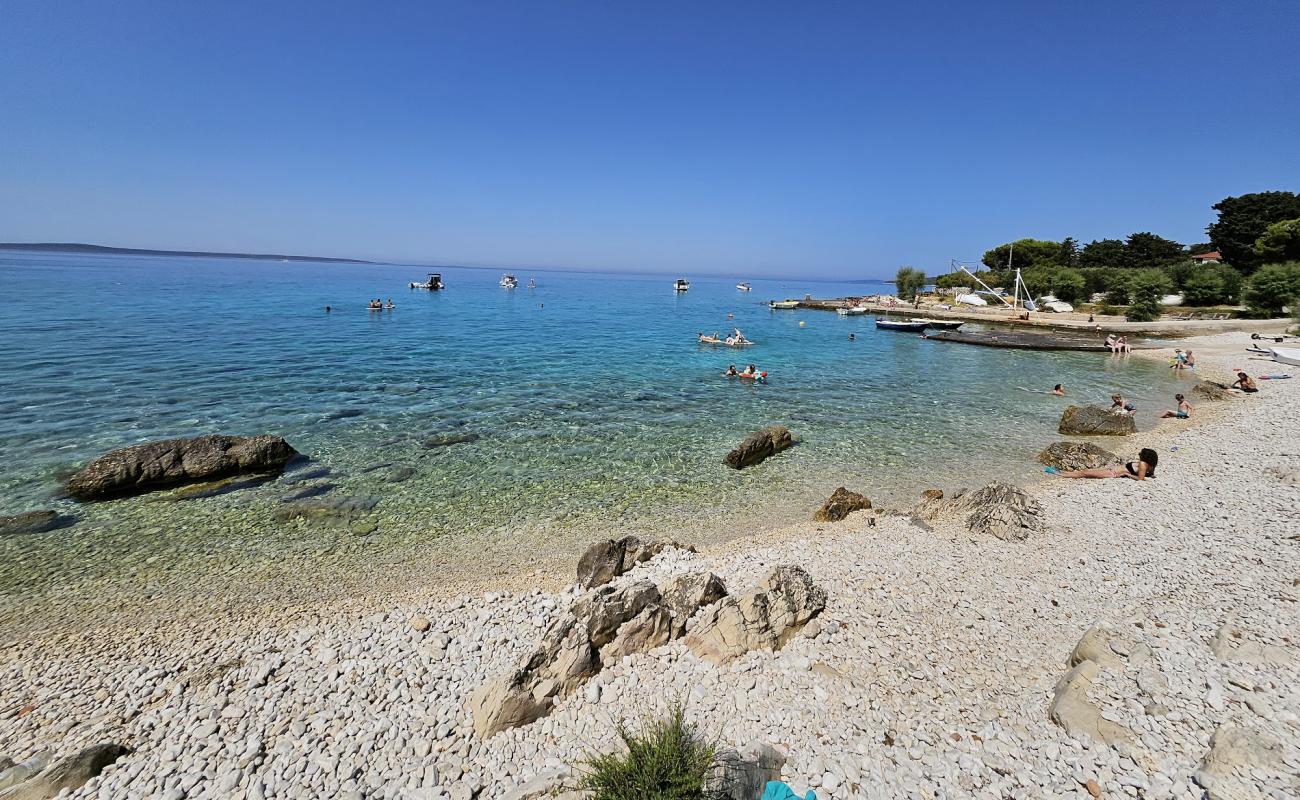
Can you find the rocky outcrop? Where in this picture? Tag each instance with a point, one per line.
(601, 627)
(1235, 751)
(605, 561)
(1078, 715)
(32, 522)
(1077, 456)
(173, 462)
(14, 774)
(1095, 421)
(763, 619)
(760, 445)
(1230, 644)
(932, 494)
(743, 774)
(840, 504)
(1212, 390)
(1001, 510)
(71, 774)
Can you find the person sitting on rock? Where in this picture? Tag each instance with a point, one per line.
(1184, 410)
(1143, 468)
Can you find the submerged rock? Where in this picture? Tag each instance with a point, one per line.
(447, 439)
(841, 503)
(310, 490)
(1095, 421)
(1077, 455)
(195, 491)
(33, 522)
(759, 446)
(173, 462)
(338, 510)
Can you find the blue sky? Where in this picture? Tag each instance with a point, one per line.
(817, 139)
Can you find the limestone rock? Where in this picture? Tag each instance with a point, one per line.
(1094, 646)
(542, 785)
(1073, 711)
(1000, 509)
(760, 445)
(650, 628)
(155, 465)
(17, 773)
(71, 773)
(1077, 456)
(605, 561)
(1095, 421)
(686, 594)
(606, 609)
(1212, 390)
(743, 774)
(932, 494)
(766, 618)
(841, 503)
(341, 511)
(32, 522)
(560, 664)
(1230, 644)
(1236, 750)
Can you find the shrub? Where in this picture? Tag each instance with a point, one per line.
(1204, 290)
(1147, 289)
(667, 760)
(1272, 287)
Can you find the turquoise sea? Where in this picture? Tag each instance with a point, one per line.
(590, 399)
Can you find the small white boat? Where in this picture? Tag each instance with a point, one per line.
(433, 283)
(850, 311)
(681, 285)
(971, 300)
(1286, 355)
(744, 287)
(783, 304)
(509, 281)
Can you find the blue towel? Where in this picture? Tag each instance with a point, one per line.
(779, 791)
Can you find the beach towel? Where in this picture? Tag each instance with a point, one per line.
(779, 791)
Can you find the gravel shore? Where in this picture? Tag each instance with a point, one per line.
(929, 674)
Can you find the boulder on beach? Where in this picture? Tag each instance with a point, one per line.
(1078, 455)
(932, 494)
(1212, 390)
(606, 560)
(840, 504)
(1095, 421)
(766, 618)
(32, 522)
(743, 774)
(71, 773)
(1002, 510)
(157, 465)
(760, 445)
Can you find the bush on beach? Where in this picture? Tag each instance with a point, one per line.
(1272, 288)
(667, 760)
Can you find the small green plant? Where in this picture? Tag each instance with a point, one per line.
(667, 760)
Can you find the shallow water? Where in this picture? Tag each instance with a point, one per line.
(590, 399)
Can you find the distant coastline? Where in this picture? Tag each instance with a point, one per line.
(77, 247)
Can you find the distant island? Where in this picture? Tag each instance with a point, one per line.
(76, 247)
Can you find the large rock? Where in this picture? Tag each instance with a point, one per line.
(1077, 714)
(13, 774)
(156, 465)
(1212, 390)
(764, 619)
(1001, 510)
(1078, 456)
(1235, 752)
(1095, 421)
(840, 504)
(32, 522)
(759, 445)
(743, 774)
(601, 627)
(605, 561)
(72, 773)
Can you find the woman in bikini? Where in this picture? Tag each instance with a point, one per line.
(1143, 468)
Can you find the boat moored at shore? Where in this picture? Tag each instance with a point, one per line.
(909, 326)
(785, 305)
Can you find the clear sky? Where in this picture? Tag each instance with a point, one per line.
(827, 139)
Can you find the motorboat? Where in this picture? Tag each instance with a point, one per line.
(681, 285)
(783, 304)
(912, 326)
(1286, 355)
(1050, 303)
(509, 281)
(433, 283)
(940, 324)
(850, 311)
(744, 287)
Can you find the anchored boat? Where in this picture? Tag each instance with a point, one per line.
(681, 285)
(744, 287)
(901, 325)
(783, 304)
(433, 283)
(940, 324)
(850, 311)
(509, 281)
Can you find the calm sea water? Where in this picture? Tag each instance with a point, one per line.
(589, 394)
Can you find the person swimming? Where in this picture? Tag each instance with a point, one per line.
(1058, 390)
(1118, 405)
(1183, 411)
(1143, 468)
(731, 371)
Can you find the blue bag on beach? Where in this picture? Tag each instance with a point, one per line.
(779, 791)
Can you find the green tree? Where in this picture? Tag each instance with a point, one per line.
(1183, 271)
(1119, 287)
(1148, 250)
(1023, 253)
(1204, 289)
(1103, 253)
(1070, 286)
(1199, 249)
(1147, 288)
(1242, 220)
(1279, 242)
(1069, 253)
(908, 282)
(1272, 287)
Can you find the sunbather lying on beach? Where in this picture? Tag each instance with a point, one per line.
(1183, 411)
(1143, 468)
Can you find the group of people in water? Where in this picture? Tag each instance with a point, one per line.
(378, 304)
(750, 372)
(1183, 360)
(734, 339)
